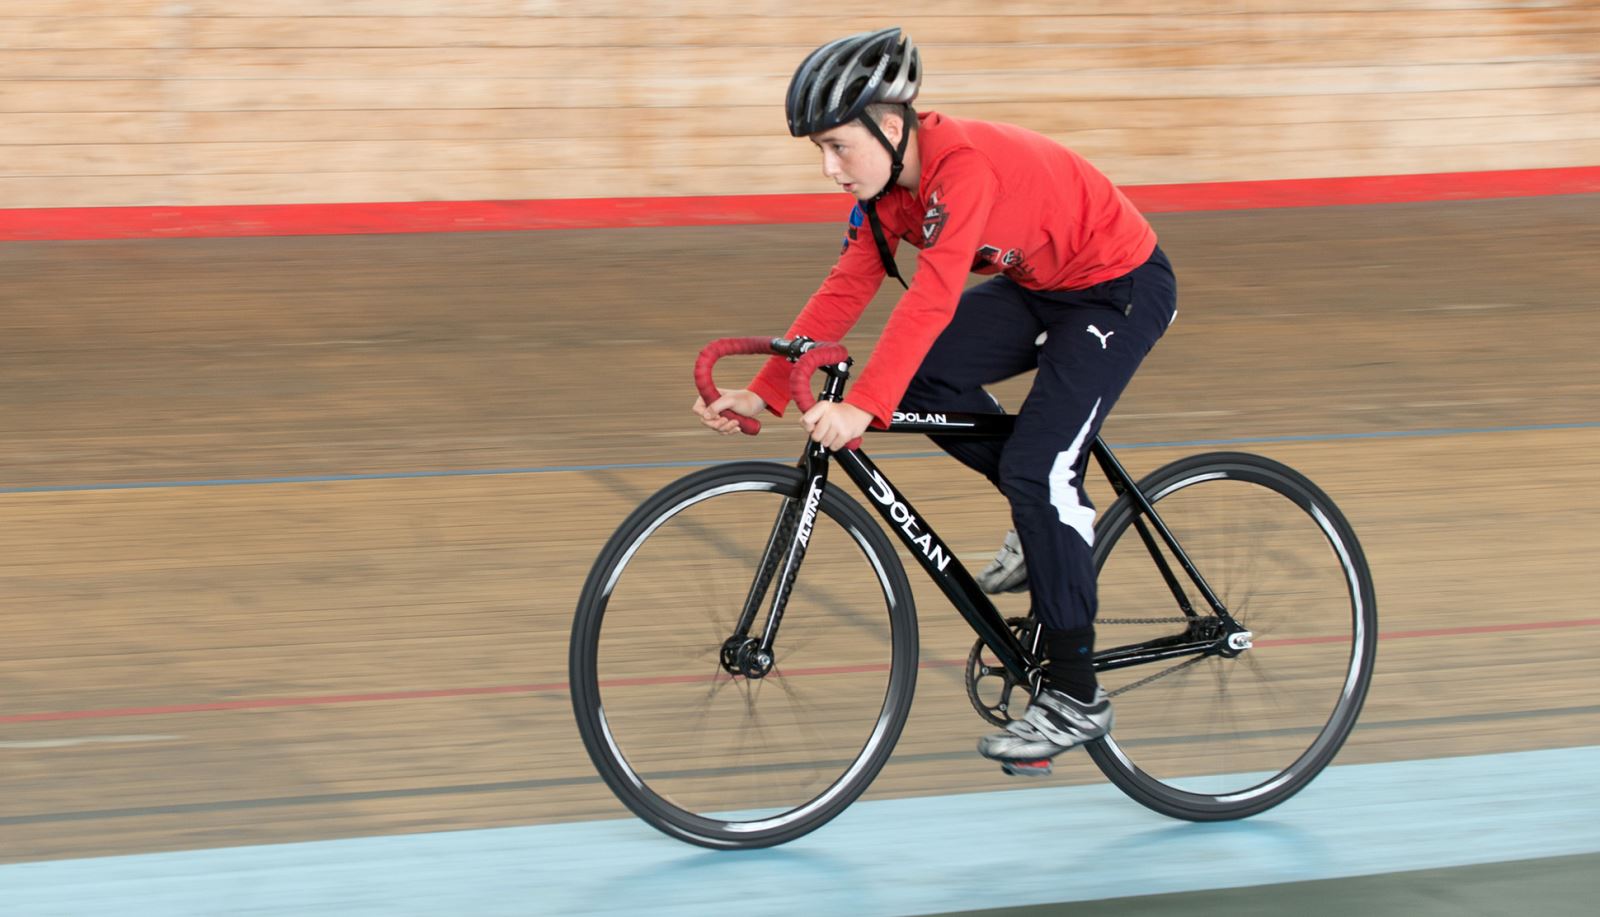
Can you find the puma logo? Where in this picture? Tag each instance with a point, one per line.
(1103, 337)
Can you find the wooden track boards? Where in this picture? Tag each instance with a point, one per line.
(388, 655)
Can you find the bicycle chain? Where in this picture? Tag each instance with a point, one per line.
(1183, 620)
(1143, 681)
(1161, 674)
(1164, 672)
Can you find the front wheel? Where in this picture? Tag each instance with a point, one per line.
(692, 731)
(1220, 736)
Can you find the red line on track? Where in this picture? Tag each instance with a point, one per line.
(1443, 632)
(271, 702)
(221, 221)
(267, 702)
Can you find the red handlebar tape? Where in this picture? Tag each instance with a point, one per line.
(799, 378)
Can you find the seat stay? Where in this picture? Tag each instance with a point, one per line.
(1123, 484)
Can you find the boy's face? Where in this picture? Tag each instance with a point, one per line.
(854, 159)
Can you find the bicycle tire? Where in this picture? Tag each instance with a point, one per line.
(1166, 767)
(653, 765)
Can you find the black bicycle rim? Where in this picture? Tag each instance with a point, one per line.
(1314, 644)
(731, 755)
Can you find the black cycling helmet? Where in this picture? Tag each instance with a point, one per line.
(836, 82)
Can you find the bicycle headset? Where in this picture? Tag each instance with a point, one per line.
(835, 84)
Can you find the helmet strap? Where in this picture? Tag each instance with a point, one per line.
(897, 157)
(884, 255)
(896, 153)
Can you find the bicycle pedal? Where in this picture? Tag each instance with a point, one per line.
(1040, 768)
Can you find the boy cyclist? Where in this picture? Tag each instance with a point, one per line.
(1081, 293)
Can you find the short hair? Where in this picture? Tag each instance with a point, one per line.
(908, 115)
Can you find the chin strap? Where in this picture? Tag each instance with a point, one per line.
(871, 207)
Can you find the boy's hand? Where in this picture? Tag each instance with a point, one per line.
(739, 401)
(833, 424)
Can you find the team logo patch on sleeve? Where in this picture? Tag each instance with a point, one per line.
(933, 220)
(1016, 266)
(856, 219)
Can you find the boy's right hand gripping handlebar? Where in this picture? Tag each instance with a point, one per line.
(814, 356)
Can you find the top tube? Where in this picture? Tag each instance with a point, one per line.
(947, 423)
(806, 353)
(997, 425)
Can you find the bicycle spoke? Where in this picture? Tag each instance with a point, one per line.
(1195, 743)
(695, 751)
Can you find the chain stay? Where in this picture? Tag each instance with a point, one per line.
(1019, 624)
(1164, 672)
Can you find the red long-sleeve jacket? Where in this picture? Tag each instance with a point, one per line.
(992, 198)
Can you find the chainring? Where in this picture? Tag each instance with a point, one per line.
(979, 669)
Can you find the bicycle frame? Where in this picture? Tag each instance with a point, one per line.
(946, 570)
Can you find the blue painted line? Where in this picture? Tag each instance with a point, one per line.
(1379, 434)
(882, 858)
(705, 463)
(333, 478)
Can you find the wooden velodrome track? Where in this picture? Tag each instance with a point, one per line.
(197, 666)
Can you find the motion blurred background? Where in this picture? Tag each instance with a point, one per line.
(292, 525)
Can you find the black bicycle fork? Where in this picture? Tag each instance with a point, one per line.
(750, 656)
(743, 654)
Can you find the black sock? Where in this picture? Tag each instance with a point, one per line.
(1071, 662)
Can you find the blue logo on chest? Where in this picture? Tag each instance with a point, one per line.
(857, 217)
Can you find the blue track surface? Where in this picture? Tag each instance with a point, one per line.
(888, 857)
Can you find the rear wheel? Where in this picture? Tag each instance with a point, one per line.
(692, 732)
(1216, 737)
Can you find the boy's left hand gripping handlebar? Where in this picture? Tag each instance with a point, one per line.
(799, 377)
(708, 358)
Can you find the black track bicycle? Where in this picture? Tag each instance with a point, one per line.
(745, 648)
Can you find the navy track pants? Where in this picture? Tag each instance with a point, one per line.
(1086, 345)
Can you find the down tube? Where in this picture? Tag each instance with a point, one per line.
(939, 562)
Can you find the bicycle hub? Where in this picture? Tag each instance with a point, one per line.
(744, 656)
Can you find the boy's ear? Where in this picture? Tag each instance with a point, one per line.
(893, 126)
